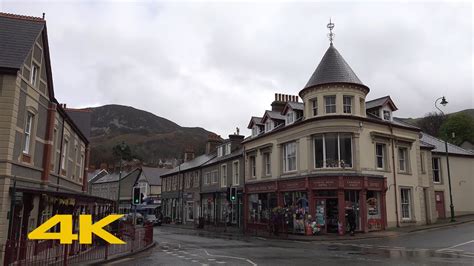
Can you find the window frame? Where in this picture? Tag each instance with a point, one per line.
(404, 159)
(330, 105)
(267, 164)
(27, 133)
(34, 74)
(438, 159)
(269, 125)
(64, 156)
(235, 173)
(290, 117)
(382, 156)
(253, 166)
(404, 203)
(350, 105)
(223, 175)
(338, 152)
(314, 103)
(286, 159)
(389, 115)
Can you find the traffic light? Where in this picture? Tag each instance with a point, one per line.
(136, 196)
(233, 194)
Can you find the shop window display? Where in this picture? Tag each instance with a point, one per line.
(297, 209)
(261, 206)
(374, 214)
(351, 198)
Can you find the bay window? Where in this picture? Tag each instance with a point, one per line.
(333, 150)
(289, 157)
(315, 106)
(330, 103)
(347, 104)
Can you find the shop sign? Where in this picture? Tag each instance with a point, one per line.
(374, 184)
(352, 183)
(262, 187)
(324, 183)
(292, 184)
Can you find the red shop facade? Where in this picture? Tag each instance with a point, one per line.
(322, 200)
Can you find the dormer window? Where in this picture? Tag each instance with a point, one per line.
(255, 131)
(290, 117)
(220, 151)
(227, 149)
(268, 126)
(387, 115)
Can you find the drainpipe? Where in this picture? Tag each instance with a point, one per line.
(394, 173)
(60, 155)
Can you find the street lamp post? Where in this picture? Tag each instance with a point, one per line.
(123, 146)
(451, 206)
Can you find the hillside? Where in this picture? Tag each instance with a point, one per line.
(150, 137)
(415, 121)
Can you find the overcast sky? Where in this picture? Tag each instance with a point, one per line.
(214, 65)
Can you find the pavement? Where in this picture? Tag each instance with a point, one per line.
(445, 244)
(392, 232)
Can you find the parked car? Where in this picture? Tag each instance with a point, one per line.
(151, 218)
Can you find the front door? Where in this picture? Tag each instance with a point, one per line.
(439, 197)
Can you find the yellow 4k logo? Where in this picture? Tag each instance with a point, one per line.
(86, 228)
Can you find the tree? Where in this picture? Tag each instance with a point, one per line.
(431, 123)
(462, 125)
(122, 151)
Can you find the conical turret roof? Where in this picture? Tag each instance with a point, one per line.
(333, 69)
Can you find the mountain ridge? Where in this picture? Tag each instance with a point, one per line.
(151, 138)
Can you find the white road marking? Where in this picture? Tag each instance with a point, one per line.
(455, 246)
(194, 255)
(211, 259)
(180, 256)
(194, 261)
(261, 238)
(230, 257)
(119, 261)
(221, 262)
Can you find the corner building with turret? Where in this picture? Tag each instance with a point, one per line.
(328, 151)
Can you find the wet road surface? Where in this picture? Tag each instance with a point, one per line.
(446, 246)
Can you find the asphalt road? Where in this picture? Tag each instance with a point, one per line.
(445, 246)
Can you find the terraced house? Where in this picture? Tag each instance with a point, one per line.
(43, 153)
(335, 152)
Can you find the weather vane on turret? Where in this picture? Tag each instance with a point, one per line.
(330, 27)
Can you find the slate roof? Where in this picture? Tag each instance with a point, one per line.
(439, 145)
(82, 118)
(196, 162)
(294, 106)
(91, 177)
(379, 102)
(273, 115)
(153, 175)
(333, 69)
(216, 159)
(255, 120)
(113, 177)
(17, 35)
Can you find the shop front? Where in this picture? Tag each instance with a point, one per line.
(316, 204)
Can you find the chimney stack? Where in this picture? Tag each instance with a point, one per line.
(213, 141)
(281, 100)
